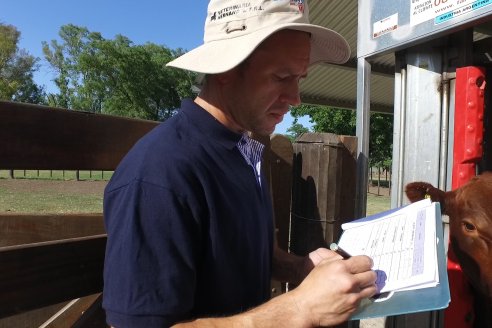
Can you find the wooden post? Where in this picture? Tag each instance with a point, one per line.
(281, 154)
(281, 189)
(277, 165)
(323, 189)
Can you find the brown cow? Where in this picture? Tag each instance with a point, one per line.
(470, 223)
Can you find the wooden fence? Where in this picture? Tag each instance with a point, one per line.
(56, 260)
(52, 265)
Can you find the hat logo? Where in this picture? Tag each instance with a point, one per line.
(242, 8)
(299, 4)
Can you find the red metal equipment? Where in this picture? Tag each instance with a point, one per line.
(468, 138)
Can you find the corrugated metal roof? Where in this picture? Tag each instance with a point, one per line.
(335, 85)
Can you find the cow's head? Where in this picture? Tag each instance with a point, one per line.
(470, 222)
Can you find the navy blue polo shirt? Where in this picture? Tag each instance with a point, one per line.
(190, 230)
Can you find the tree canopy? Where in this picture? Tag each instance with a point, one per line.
(115, 76)
(16, 69)
(343, 122)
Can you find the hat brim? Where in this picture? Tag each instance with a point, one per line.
(222, 55)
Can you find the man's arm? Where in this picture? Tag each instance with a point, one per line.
(288, 267)
(328, 296)
(270, 314)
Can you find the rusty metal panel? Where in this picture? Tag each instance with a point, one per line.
(39, 137)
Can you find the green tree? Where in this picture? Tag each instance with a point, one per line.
(381, 140)
(115, 76)
(327, 119)
(295, 130)
(16, 69)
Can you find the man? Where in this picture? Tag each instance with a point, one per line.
(188, 212)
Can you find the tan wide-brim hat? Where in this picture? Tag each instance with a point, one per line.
(235, 28)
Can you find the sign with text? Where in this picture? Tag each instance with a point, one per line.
(390, 25)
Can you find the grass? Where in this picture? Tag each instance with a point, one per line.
(376, 204)
(47, 201)
(52, 191)
(54, 200)
(73, 200)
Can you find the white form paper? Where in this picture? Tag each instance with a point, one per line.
(401, 243)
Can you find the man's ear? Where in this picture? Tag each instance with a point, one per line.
(227, 77)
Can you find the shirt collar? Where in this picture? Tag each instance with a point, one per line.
(252, 150)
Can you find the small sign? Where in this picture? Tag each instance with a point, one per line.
(385, 25)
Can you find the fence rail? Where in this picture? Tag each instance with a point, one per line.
(46, 273)
(78, 175)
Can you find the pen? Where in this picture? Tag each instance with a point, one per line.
(340, 251)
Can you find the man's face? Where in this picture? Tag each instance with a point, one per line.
(262, 89)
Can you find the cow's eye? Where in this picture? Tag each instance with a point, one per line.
(469, 227)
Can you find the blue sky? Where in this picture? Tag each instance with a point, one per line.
(174, 24)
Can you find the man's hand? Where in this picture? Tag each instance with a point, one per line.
(328, 295)
(334, 288)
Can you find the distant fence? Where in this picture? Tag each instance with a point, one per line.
(78, 175)
(379, 178)
(52, 264)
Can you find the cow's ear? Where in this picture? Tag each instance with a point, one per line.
(437, 195)
(416, 191)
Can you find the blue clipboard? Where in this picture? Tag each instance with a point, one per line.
(418, 300)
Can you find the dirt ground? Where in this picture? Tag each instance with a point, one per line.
(383, 191)
(70, 186)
